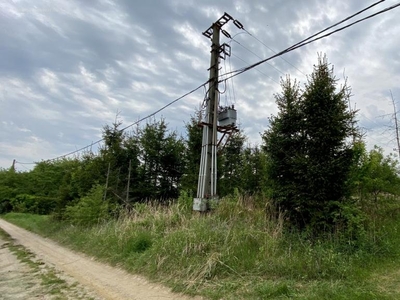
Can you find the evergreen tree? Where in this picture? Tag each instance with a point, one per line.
(114, 161)
(230, 163)
(284, 145)
(310, 149)
(253, 171)
(193, 143)
(161, 160)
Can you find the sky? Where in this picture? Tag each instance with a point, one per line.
(67, 68)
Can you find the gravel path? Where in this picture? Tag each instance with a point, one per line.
(17, 280)
(106, 281)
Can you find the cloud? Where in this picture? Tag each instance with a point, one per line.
(67, 67)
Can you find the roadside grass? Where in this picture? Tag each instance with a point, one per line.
(237, 252)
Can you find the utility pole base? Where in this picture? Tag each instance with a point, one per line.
(205, 204)
(200, 204)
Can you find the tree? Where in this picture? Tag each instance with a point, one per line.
(378, 175)
(161, 160)
(230, 160)
(115, 158)
(310, 149)
(284, 146)
(253, 171)
(193, 144)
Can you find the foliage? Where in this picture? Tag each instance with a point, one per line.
(378, 175)
(237, 252)
(33, 204)
(312, 165)
(90, 209)
(231, 162)
(254, 171)
(192, 155)
(162, 166)
(309, 150)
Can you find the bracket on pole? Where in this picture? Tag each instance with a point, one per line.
(224, 51)
(221, 22)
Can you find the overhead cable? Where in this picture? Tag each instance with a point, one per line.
(123, 129)
(308, 41)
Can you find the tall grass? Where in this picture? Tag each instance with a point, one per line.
(239, 251)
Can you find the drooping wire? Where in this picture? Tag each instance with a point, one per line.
(230, 70)
(123, 129)
(25, 163)
(340, 22)
(22, 165)
(235, 73)
(308, 41)
(288, 62)
(228, 95)
(258, 70)
(233, 85)
(240, 44)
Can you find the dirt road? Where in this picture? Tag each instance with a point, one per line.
(107, 282)
(24, 277)
(16, 278)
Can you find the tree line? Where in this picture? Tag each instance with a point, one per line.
(157, 162)
(312, 162)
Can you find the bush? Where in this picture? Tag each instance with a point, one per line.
(90, 209)
(41, 205)
(5, 206)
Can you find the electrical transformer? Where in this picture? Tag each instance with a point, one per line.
(227, 116)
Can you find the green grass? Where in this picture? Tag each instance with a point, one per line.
(237, 252)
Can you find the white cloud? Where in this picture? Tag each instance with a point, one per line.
(67, 67)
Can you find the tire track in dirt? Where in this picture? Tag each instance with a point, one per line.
(106, 281)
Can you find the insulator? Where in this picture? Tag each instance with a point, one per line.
(228, 16)
(226, 33)
(238, 24)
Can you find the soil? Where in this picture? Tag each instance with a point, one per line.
(104, 281)
(16, 279)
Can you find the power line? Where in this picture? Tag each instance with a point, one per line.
(22, 165)
(303, 42)
(233, 87)
(340, 22)
(257, 55)
(25, 163)
(230, 70)
(256, 69)
(308, 41)
(123, 129)
(235, 73)
(229, 93)
(273, 51)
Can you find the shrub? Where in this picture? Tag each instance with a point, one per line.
(90, 209)
(41, 205)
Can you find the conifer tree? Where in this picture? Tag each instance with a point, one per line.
(310, 149)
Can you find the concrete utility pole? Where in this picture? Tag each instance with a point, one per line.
(13, 166)
(129, 181)
(396, 125)
(207, 184)
(106, 187)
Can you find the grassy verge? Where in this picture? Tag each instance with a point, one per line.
(237, 252)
